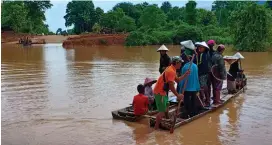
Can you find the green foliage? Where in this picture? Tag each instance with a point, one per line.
(152, 17)
(151, 40)
(190, 16)
(112, 18)
(126, 24)
(98, 14)
(129, 9)
(135, 39)
(163, 37)
(81, 14)
(166, 7)
(251, 27)
(187, 32)
(58, 31)
(205, 17)
(176, 14)
(96, 28)
(25, 16)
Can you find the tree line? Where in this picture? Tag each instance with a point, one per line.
(247, 25)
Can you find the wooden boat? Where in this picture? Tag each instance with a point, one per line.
(166, 124)
(128, 115)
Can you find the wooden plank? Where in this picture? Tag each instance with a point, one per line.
(167, 125)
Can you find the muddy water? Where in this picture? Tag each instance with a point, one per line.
(52, 95)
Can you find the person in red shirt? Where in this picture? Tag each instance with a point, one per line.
(140, 101)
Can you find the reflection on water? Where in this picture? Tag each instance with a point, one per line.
(52, 95)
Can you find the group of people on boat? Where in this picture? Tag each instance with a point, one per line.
(197, 71)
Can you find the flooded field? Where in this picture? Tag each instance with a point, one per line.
(52, 95)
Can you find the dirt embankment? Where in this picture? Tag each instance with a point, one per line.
(11, 37)
(96, 39)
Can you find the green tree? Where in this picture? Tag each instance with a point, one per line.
(205, 17)
(251, 26)
(58, 31)
(13, 15)
(36, 14)
(98, 14)
(126, 24)
(25, 16)
(112, 18)
(175, 14)
(96, 28)
(166, 7)
(223, 10)
(81, 14)
(129, 9)
(190, 15)
(153, 17)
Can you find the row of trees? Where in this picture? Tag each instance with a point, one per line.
(247, 25)
(25, 16)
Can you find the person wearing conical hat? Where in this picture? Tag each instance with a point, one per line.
(149, 92)
(217, 83)
(203, 59)
(236, 71)
(164, 59)
(192, 87)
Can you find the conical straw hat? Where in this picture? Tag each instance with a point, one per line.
(239, 55)
(163, 47)
(202, 44)
(188, 44)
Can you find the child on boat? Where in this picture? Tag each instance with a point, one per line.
(149, 93)
(140, 101)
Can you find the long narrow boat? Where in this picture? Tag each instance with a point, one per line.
(166, 124)
(127, 113)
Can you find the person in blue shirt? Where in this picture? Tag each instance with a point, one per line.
(192, 87)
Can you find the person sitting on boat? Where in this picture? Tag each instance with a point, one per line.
(165, 60)
(203, 70)
(165, 82)
(191, 90)
(140, 102)
(219, 73)
(149, 93)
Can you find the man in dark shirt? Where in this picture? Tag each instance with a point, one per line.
(165, 60)
(211, 44)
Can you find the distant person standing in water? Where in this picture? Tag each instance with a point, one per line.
(165, 60)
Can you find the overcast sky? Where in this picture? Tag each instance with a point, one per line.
(55, 20)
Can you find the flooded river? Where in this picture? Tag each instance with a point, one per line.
(57, 96)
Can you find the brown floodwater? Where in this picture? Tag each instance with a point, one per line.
(52, 95)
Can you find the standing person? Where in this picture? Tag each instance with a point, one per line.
(203, 71)
(185, 60)
(149, 93)
(220, 71)
(192, 88)
(165, 82)
(164, 59)
(211, 44)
